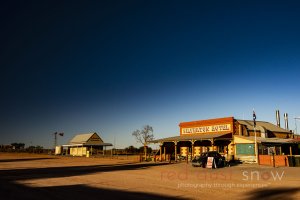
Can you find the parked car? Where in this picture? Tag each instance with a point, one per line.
(201, 161)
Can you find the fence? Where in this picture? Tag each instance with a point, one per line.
(275, 161)
(134, 158)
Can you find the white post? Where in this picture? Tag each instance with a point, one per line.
(255, 146)
(255, 139)
(175, 143)
(295, 126)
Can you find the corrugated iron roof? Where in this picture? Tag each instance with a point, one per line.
(87, 139)
(81, 138)
(266, 125)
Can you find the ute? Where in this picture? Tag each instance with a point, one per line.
(201, 161)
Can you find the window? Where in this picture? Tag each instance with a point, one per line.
(221, 149)
(245, 149)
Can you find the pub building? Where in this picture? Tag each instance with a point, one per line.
(232, 138)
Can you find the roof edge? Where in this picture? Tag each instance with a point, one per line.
(207, 121)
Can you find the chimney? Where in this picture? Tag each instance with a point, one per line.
(278, 118)
(286, 121)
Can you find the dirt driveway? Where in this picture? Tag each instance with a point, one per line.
(29, 176)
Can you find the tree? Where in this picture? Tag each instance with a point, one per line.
(35, 149)
(30, 149)
(131, 150)
(39, 149)
(18, 145)
(144, 136)
(141, 149)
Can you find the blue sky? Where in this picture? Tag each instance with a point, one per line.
(114, 66)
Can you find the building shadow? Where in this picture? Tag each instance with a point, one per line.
(233, 163)
(58, 172)
(23, 159)
(13, 191)
(10, 189)
(274, 193)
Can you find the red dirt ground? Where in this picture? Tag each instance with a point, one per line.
(32, 176)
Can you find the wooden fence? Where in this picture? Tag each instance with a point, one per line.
(275, 161)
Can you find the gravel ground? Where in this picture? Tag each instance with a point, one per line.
(31, 176)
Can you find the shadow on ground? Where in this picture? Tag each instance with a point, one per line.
(11, 190)
(273, 194)
(232, 163)
(23, 159)
(58, 172)
(15, 192)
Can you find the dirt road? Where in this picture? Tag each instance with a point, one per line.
(30, 176)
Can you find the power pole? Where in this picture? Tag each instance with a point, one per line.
(55, 138)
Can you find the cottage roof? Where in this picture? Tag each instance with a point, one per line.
(86, 139)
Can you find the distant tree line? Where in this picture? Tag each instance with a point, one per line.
(20, 147)
(134, 150)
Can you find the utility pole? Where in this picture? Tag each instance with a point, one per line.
(296, 124)
(255, 139)
(115, 143)
(55, 138)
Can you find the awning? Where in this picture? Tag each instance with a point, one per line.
(269, 140)
(225, 136)
(72, 145)
(100, 145)
(88, 145)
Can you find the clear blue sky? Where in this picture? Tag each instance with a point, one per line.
(114, 66)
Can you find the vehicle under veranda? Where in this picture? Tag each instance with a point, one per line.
(201, 161)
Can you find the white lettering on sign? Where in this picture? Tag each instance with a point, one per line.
(210, 162)
(207, 129)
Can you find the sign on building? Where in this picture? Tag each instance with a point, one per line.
(207, 129)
